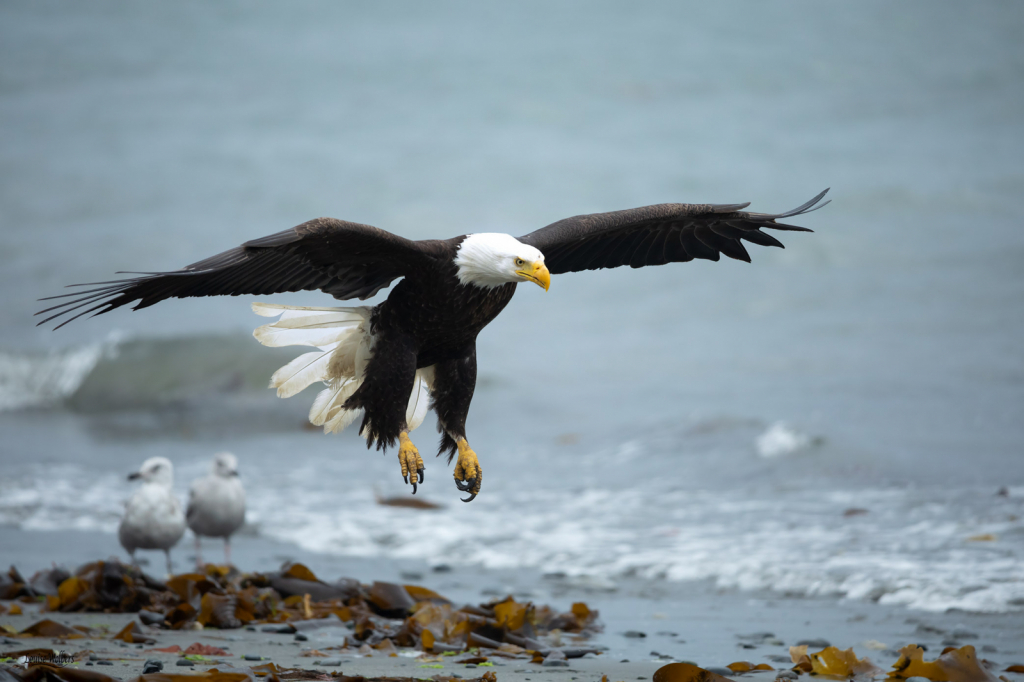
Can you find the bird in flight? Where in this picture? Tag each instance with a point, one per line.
(417, 349)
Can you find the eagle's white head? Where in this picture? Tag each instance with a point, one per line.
(490, 259)
(158, 470)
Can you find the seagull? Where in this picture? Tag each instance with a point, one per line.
(153, 518)
(216, 504)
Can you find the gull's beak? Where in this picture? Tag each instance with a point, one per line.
(537, 273)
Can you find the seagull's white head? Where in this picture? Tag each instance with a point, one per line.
(158, 470)
(490, 259)
(225, 465)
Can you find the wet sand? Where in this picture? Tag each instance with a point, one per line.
(680, 621)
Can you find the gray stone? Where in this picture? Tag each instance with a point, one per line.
(151, 618)
(814, 643)
(252, 657)
(786, 675)
(925, 629)
(152, 666)
(184, 663)
(555, 663)
(719, 671)
(635, 634)
(104, 663)
(329, 662)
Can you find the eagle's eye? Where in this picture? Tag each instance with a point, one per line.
(519, 262)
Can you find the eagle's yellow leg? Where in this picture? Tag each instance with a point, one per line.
(468, 474)
(409, 458)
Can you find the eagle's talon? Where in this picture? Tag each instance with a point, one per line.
(468, 472)
(410, 461)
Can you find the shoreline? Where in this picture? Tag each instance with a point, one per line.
(679, 621)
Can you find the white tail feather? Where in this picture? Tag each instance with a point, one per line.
(419, 398)
(346, 346)
(301, 372)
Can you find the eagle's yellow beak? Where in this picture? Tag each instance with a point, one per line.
(537, 273)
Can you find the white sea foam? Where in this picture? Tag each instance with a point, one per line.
(780, 440)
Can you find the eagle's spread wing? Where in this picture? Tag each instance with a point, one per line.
(659, 234)
(346, 260)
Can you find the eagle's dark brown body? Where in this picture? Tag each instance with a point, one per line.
(429, 319)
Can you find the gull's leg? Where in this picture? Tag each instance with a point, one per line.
(199, 554)
(409, 458)
(227, 550)
(170, 570)
(468, 473)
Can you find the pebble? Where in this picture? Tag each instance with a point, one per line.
(720, 671)
(301, 638)
(93, 657)
(151, 618)
(185, 663)
(152, 666)
(786, 675)
(252, 657)
(89, 663)
(757, 636)
(924, 628)
(278, 629)
(555, 663)
(989, 649)
(104, 663)
(634, 634)
(964, 634)
(814, 643)
(330, 662)
(746, 645)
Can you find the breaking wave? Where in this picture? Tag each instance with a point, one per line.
(132, 373)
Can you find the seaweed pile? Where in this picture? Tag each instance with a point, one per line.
(378, 615)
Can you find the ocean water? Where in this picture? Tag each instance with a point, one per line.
(843, 417)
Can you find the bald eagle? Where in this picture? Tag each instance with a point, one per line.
(419, 345)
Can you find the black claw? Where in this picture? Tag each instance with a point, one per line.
(464, 487)
(413, 488)
(405, 478)
(472, 496)
(420, 472)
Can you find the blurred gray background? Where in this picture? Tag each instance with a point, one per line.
(882, 353)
